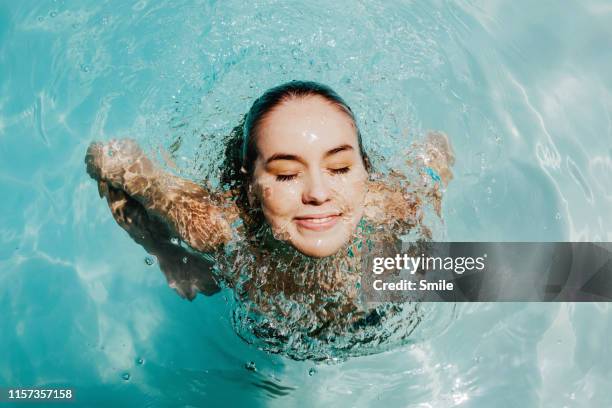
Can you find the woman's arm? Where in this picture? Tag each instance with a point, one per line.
(186, 272)
(188, 211)
(399, 199)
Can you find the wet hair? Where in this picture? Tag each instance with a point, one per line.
(271, 99)
(241, 148)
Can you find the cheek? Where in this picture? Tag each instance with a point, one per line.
(279, 199)
(350, 190)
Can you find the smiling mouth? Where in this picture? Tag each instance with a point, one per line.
(320, 222)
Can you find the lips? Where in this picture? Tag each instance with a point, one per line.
(318, 222)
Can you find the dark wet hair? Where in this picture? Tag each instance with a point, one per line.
(241, 148)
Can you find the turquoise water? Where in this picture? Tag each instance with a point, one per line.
(522, 89)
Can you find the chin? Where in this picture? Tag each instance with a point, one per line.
(319, 251)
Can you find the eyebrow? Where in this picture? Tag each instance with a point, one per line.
(285, 156)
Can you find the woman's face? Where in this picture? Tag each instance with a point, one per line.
(309, 175)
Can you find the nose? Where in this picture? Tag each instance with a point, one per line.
(316, 190)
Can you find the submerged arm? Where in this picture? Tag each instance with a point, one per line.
(397, 199)
(186, 272)
(188, 211)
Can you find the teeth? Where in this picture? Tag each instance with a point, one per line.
(318, 220)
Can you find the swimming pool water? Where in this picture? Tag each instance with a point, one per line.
(522, 89)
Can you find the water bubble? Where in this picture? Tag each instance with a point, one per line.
(126, 376)
(149, 260)
(184, 259)
(140, 361)
(53, 13)
(312, 371)
(331, 360)
(84, 68)
(250, 366)
(558, 216)
(40, 18)
(174, 240)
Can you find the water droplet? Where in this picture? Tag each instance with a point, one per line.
(126, 376)
(149, 260)
(174, 240)
(184, 259)
(312, 371)
(53, 13)
(84, 68)
(140, 361)
(40, 18)
(250, 366)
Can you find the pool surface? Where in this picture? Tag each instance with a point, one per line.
(523, 90)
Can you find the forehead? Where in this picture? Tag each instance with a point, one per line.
(305, 125)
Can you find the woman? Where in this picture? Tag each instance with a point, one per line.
(300, 199)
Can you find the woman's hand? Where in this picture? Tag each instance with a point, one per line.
(122, 164)
(439, 155)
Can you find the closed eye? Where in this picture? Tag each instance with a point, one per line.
(285, 177)
(342, 170)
